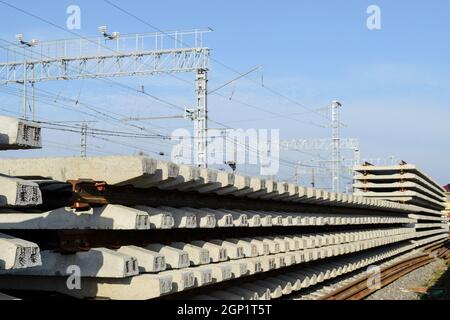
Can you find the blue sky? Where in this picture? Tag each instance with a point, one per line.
(394, 83)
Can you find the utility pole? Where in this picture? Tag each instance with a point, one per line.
(297, 173)
(115, 55)
(336, 141)
(201, 119)
(83, 140)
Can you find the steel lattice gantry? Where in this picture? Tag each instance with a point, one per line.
(123, 56)
(325, 145)
(113, 65)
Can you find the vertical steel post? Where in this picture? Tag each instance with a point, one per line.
(83, 141)
(25, 93)
(336, 138)
(201, 119)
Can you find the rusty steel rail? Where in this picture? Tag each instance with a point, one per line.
(358, 289)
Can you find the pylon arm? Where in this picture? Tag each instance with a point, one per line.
(318, 144)
(101, 66)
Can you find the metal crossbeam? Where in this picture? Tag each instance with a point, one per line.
(318, 144)
(114, 55)
(112, 65)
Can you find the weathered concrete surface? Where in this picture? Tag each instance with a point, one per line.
(203, 276)
(250, 250)
(175, 258)
(18, 134)
(19, 193)
(96, 263)
(261, 247)
(263, 292)
(394, 170)
(273, 246)
(17, 253)
(239, 219)
(111, 217)
(216, 253)
(398, 178)
(148, 261)
(182, 219)
(238, 269)
(275, 289)
(399, 186)
(234, 251)
(158, 219)
(286, 285)
(245, 218)
(181, 279)
(267, 263)
(254, 265)
(205, 219)
(296, 284)
(142, 172)
(197, 255)
(220, 272)
(141, 287)
(411, 197)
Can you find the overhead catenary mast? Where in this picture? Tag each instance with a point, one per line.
(115, 55)
(336, 142)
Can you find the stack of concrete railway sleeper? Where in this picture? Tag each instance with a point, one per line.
(15, 194)
(139, 228)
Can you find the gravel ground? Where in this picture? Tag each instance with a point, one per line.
(423, 277)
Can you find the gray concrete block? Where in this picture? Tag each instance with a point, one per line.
(197, 255)
(175, 258)
(17, 253)
(181, 279)
(110, 217)
(95, 263)
(18, 134)
(250, 250)
(268, 263)
(234, 251)
(275, 289)
(205, 219)
(238, 269)
(220, 272)
(159, 219)
(19, 193)
(223, 218)
(216, 252)
(141, 287)
(261, 247)
(183, 219)
(274, 247)
(148, 261)
(263, 292)
(254, 265)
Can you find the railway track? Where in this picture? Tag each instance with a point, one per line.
(359, 289)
